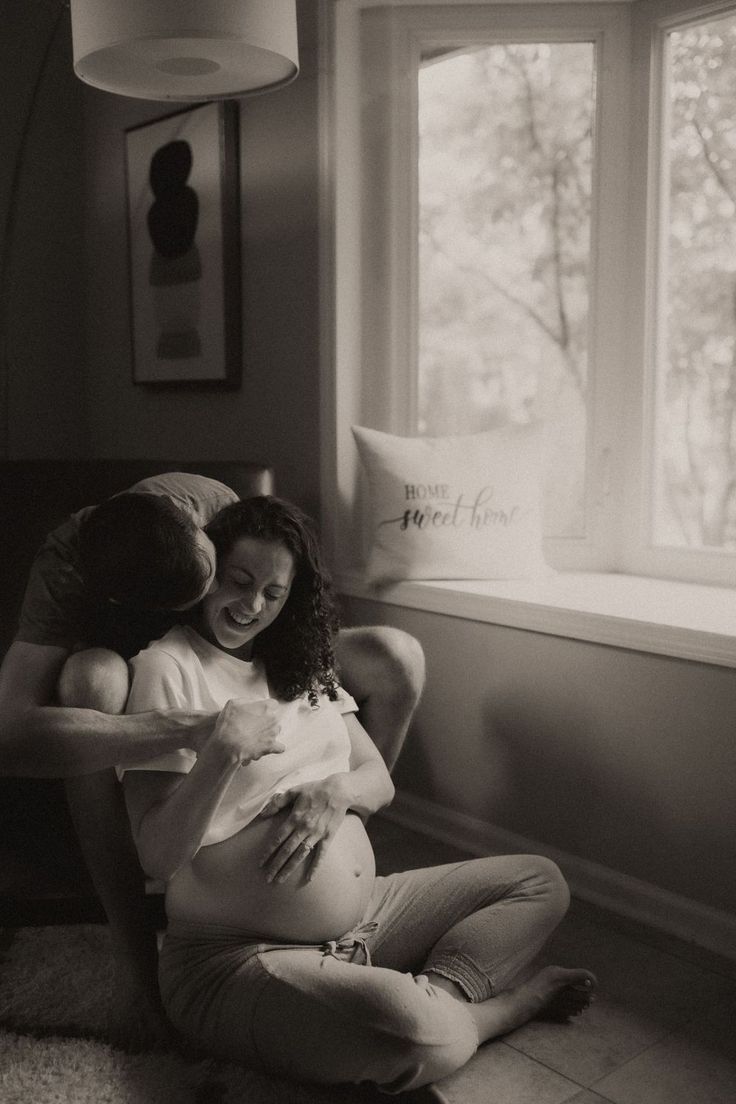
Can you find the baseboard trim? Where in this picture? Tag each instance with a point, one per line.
(707, 927)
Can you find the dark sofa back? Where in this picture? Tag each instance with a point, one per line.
(36, 495)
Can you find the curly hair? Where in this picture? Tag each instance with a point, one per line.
(297, 649)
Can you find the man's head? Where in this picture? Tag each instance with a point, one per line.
(141, 550)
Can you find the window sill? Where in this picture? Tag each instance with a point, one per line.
(659, 616)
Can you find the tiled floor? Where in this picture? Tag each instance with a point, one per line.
(661, 1031)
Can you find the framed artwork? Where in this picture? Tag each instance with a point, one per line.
(184, 248)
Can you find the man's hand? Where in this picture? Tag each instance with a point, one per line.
(246, 730)
(317, 809)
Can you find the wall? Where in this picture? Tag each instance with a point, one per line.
(65, 374)
(41, 226)
(275, 415)
(621, 758)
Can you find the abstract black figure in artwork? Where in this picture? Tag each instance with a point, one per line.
(175, 268)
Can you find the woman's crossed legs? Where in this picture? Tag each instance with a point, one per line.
(447, 944)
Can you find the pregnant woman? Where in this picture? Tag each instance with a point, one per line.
(284, 950)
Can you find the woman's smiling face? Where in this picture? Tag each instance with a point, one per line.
(254, 580)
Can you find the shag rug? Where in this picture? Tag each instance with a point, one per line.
(54, 985)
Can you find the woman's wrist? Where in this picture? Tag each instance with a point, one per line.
(221, 756)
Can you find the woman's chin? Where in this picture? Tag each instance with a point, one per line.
(231, 641)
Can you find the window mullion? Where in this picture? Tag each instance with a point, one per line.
(389, 221)
(613, 425)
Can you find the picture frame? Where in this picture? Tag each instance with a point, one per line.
(183, 219)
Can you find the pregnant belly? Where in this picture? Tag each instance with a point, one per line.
(224, 884)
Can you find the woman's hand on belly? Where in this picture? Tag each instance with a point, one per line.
(224, 884)
(316, 811)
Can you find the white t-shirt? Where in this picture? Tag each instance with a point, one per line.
(184, 671)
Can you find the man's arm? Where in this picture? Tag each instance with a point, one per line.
(39, 740)
(383, 669)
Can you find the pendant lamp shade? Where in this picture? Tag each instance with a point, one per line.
(187, 50)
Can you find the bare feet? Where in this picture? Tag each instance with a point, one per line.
(553, 993)
(572, 999)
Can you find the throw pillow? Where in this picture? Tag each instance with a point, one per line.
(463, 507)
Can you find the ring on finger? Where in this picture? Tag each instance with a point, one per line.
(306, 846)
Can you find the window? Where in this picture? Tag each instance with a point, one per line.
(536, 208)
(694, 454)
(506, 137)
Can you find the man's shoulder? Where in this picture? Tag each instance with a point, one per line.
(63, 539)
(198, 495)
(173, 649)
(56, 609)
(183, 483)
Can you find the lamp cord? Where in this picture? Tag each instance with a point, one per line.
(10, 226)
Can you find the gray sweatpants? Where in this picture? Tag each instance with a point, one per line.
(360, 1008)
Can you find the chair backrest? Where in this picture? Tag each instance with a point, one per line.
(36, 495)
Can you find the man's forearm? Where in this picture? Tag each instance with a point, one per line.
(63, 742)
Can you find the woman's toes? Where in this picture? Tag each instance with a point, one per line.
(571, 996)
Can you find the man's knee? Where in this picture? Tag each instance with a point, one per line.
(386, 658)
(403, 658)
(95, 678)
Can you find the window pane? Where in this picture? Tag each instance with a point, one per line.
(505, 167)
(695, 431)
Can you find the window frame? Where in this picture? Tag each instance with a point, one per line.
(652, 20)
(369, 259)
